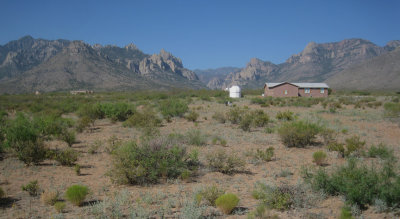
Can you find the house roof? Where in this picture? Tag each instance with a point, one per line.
(300, 85)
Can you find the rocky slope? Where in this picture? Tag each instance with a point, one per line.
(28, 64)
(214, 77)
(316, 63)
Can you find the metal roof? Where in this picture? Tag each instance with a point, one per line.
(300, 85)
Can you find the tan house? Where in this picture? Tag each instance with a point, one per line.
(286, 89)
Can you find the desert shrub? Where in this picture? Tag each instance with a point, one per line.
(339, 147)
(345, 213)
(112, 144)
(146, 118)
(210, 194)
(77, 169)
(319, 157)
(218, 140)
(354, 145)
(192, 116)
(59, 206)
(298, 133)
(23, 138)
(49, 197)
(66, 157)
(76, 194)
(359, 184)
(246, 122)
(284, 197)
(234, 115)
(2, 193)
(149, 162)
(83, 122)
(392, 110)
(68, 136)
(195, 137)
(94, 148)
(227, 202)
(173, 107)
(117, 111)
(32, 188)
(381, 151)
(222, 162)
(263, 155)
(285, 115)
(51, 125)
(91, 111)
(220, 117)
(328, 135)
(260, 118)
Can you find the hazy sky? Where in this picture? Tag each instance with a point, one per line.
(204, 34)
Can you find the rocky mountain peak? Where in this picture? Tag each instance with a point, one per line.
(392, 45)
(131, 46)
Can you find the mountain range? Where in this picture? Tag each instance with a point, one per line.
(353, 64)
(29, 65)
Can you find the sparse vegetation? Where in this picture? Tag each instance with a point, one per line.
(32, 188)
(319, 157)
(49, 197)
(210, 194)
(298, 133)
(59, 206)
(222, 162)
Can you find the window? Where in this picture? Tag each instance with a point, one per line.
(285, 92)
(306, 90)
(322, 90)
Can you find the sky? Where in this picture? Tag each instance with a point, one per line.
(204, 33)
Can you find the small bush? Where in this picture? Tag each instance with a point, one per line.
(173, 107)
(59, 206)
(298, 133)
(286, 116)
(345, 213)
(83, 122)
(353, 145)
(150, 161)
(246, 122)
(76, 194)
(273, 197)
(264, 155)
(49, 197)
(66, 157)
(220, 161)
(235, 115)
(195, 137)
(227, 202)
(68, 136)
(77, 169)
(392, 110)
(32, 188)
(210, 194)
(339, 147)
(220, 117)
(147, 118)
(117, 111)
(260, 118)
(218, 140)
(381, 151)
(319, 157)
(192, 116)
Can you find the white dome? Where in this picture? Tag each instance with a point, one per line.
(235, 89)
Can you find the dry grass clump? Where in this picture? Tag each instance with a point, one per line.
(49, 197)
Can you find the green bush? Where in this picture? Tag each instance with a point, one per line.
(222, 162)
(235, 115)
(246, 122)
(381, 151)
(218, 140)
(150, 161)
(319, 157)
(77, 169)
(260, 118)
(392, 110)
(354, 145)
(264, 155)
(298, 133)
(68, 136)
(359, 184)
(59, 206)
(210, 194)
(192, 116)
(279, 198)
(117, 111)
(76, 194)
(173, 107)
(227, 202)
(285, 115)
(32, 188)
(146, 118)
(23, 138)
(345, 213)
(66, 157)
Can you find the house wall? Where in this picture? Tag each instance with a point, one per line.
(314, 92)
(279, 91)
